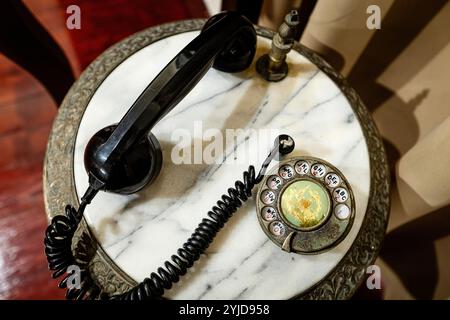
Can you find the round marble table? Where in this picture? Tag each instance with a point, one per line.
(133, 235)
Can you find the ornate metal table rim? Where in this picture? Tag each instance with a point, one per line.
(59, 185)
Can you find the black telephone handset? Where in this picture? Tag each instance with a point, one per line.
(125, 157)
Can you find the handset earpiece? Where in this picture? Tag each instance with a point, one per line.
(238, 54)
(125, 157)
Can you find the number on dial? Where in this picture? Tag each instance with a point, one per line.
(268, 197)
(332, 180)
(340, 194)
(318, 170)
(277, 228)
(302, 167)
(274, 182)
(287, 172)
(269, 213)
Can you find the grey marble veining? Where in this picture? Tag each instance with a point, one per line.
(141, 231)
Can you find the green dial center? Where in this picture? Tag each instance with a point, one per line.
(305, 204)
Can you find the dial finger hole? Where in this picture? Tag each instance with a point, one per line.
(318, 170)
(302, 167)
(287, 172)
(274, 182)
(332, 180)
(269, 213)
(342, 211)
(268, 197)
(277, 228)
(340, 194)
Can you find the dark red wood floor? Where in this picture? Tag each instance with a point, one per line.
(26, 115)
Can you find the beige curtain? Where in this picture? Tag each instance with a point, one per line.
(402, 73)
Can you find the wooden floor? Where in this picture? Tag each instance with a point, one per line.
(26, 116)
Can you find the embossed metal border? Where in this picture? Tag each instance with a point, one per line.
(58, 178)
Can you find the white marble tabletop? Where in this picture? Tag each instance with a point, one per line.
(139, 232)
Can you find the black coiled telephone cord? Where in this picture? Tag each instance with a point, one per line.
(60, 233)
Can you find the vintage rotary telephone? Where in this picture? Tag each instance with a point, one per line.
(304, 205)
